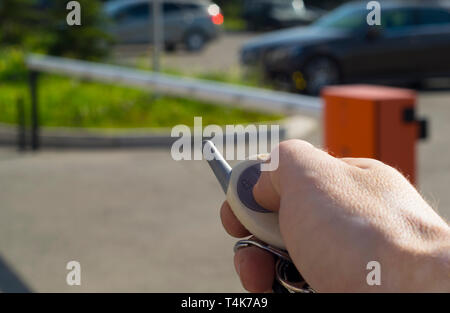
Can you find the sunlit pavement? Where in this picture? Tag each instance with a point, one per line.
(138, 221)
(135, 220)
(434, 154)
(220, 55)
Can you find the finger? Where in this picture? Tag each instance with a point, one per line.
(256, 269)
(231, 223)
(265, 194)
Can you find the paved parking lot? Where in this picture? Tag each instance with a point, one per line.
(135, 220)
(220, 55)
(434, 154)
(138, 221)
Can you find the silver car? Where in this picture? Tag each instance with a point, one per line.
(189, 22)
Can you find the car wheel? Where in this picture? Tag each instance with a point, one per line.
(320, 72)
(195, 41)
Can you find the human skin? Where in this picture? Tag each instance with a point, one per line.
(337, 215)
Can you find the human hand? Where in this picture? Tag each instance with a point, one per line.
(335, 216)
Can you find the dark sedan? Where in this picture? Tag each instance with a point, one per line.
(411, 44)
(276, 14)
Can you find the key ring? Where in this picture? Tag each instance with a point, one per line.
(287, 275)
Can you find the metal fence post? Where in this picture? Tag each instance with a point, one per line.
(158, 36)
(21, 137)
(34, 110)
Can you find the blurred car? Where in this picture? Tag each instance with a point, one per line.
(274, 14)
(325, 4)
(412, 44)
(191, 23)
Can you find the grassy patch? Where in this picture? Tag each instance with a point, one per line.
(234, 24)
(66, 102)
(251, 77)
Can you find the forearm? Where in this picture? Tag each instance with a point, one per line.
(430, 270)
(439, 264)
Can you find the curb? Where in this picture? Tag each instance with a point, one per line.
(293, 127)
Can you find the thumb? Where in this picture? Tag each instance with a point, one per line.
(265, 194)
(297, 159)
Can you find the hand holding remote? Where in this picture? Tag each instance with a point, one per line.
(336, 215)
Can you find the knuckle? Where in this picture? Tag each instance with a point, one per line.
(292, 147)
(294, 144)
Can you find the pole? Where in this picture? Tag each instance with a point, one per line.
(158, 36)
(34, 110)
(21, 143)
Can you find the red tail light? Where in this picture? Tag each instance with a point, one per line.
(217, 19)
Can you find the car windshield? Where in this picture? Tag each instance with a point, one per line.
(346, 17)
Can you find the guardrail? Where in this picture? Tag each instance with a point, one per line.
(216, 92)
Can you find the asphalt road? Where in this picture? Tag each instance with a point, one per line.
(220, 55)
(135, 220)
(138, 221)
(434, 153)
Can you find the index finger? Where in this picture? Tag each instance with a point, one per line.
(231, 223)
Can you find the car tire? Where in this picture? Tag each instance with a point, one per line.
(320, 72)
(195, 41)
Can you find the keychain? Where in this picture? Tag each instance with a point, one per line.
(237, 183)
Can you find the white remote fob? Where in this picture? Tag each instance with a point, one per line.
(237, 183)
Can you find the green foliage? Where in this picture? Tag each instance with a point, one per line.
(41, 26)
(232, 11)
(233, 75)
(17, 21)
(73, 103)
(87, 41)
(12, 66)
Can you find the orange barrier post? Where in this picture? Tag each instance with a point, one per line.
(373, 122)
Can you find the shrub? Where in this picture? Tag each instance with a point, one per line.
(40, 26)
(12, 65)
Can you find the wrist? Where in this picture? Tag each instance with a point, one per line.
(438, 262)
(430, 271)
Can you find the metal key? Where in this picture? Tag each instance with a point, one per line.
(288, 279)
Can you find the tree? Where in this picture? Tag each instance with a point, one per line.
(40, 25)
(87, 41)
(16, 19)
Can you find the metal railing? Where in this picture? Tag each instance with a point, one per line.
(215, 92)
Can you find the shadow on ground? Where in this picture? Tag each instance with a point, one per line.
(10, 281)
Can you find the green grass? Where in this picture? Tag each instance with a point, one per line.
(66, 102)
(232, 11)
(234, 75)
(234, 24)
